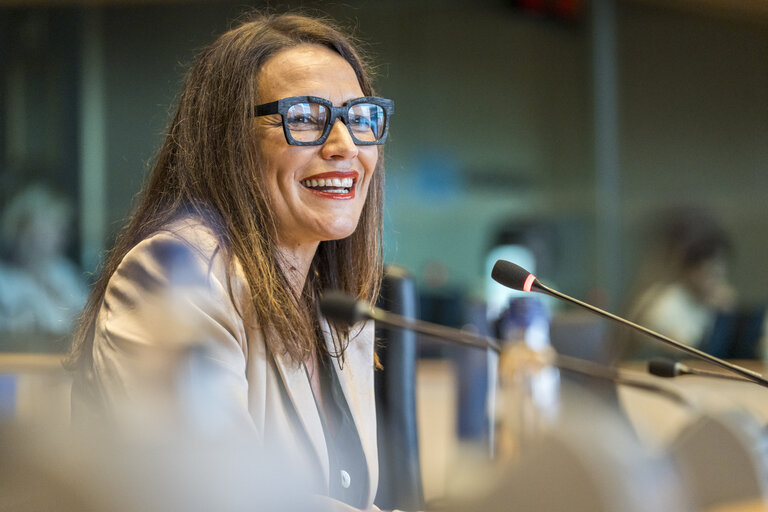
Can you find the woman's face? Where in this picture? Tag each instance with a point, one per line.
(306, 214)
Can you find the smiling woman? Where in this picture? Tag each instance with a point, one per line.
(309, 215)
(266, 192)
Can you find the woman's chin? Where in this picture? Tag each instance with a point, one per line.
(339, 232)
(339, 236)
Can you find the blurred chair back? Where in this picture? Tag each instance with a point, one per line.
(722, 459)
(399, 467)
(589, 460)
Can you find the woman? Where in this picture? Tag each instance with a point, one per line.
(683, 284)
(265, 193)
(41, 290)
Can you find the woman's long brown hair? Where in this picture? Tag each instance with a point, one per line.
(208, 167)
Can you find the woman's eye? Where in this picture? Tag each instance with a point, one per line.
(359, 123)
(303, 119)
(305, 122)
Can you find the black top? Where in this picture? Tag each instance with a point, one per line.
(347, 470)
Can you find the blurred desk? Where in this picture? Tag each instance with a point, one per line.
(436, 409)
(754, 506)
(35, 388)
(34, 343)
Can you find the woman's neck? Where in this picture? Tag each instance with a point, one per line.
(295, 261)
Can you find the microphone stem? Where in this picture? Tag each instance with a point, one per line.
(752, 376)
(563, 363)
(438, 331)
(592, 369)
(715, 375)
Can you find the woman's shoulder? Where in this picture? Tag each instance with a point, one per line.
(184, 251)
(192, 232)
(177, 277)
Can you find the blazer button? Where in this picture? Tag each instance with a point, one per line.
(345, 479)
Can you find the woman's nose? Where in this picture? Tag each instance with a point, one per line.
(339, 144)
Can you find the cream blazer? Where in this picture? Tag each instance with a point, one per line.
(171, 292)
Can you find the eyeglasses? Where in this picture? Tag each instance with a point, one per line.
(307, 120)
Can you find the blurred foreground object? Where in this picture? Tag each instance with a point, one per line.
(710, 444)
(586, 460)
(719, 442)
(149, 457)
(592, 458)
(94, 470)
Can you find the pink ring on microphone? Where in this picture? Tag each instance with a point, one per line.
(529, 282)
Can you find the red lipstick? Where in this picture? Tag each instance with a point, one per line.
(316, 184)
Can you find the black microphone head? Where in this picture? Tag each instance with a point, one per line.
(512, 276)
(339, 306)
(663, 368)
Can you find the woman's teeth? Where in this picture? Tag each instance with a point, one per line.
(333, 185)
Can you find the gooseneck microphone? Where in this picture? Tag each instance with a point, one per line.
(515, 277)
(343, 308)
(668, 369)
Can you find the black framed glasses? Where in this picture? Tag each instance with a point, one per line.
(307, 120)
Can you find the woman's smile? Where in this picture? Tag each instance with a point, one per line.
(332, 185)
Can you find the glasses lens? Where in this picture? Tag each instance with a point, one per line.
(366, 121)
(306, 121)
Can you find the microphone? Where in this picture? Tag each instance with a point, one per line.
(515, 277)
(592, 369)
(341, 307)
(668, 369)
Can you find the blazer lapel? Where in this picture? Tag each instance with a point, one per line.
(300, 392)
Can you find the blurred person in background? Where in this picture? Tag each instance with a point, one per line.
(41, 290)
(266, 192)
(683, 283)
